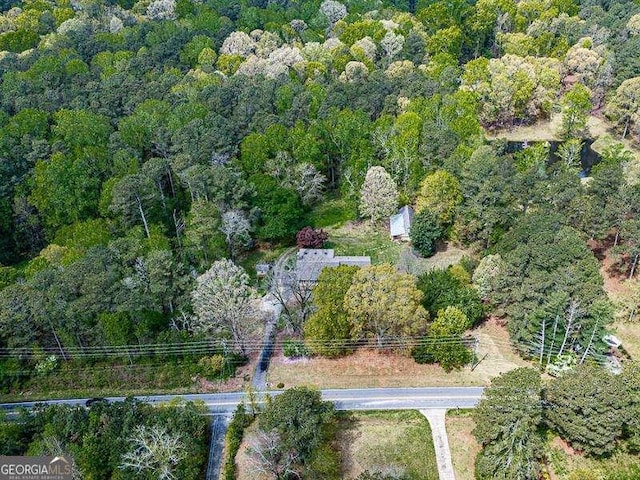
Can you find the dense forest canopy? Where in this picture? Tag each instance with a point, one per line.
(119, 440)
(140, 142)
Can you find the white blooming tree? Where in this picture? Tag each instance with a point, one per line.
(236, 229)
(354, 72)
(238, 43)
(162, 10)
(154, 450)
(298, 25)
(115, 25)
(308, 182)
(365, 47)
(286, 55)
(304, 177)
(485, 275)
(222, 302)
(392, 44)
(633, 25)
(379, 195)
(334, 11)
(266, 42)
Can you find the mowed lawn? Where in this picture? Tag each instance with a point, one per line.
(399, 441)
(629, 333)
(362, 238)
(391, 441)
(370, 368)
(567, 464)
(462, 443)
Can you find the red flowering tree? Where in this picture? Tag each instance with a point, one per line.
(311, 238)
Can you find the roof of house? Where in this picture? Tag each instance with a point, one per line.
(311, 261)
(400, 223)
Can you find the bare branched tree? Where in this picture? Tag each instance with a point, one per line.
(154, 449)
(292, 294)
(269, 458)
(236, 228)
(52, 445)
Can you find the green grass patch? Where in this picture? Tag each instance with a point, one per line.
(363, 239)
(573, 466)
(334, 212)
(259, 255)
(460, 412)
(381, 439)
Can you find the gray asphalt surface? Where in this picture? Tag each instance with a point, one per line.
(344, 399)
(218, 429)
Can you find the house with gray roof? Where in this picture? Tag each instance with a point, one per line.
(400, 224)
(311, 261)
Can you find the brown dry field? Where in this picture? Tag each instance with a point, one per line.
(368, 368)
(629, 333)
(616, 287)
(367, 441)
(371, 440)
(244, 471)
(462, 443)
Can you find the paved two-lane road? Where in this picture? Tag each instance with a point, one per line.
(344, 399)
(432, 401)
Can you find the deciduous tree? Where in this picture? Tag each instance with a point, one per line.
(236, 229)
(443, 343)
(624, 107)
(132, 197)
(156, 450)
(222, 302)
(292, 426)
(385, 304)
(379, 195)
(311, 238)
(328, 331)
(576, 105)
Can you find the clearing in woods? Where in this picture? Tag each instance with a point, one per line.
(370, 368)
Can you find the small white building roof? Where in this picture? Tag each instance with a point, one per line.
(400, 223)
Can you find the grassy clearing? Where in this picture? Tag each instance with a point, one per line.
(565, 464)
(400, 439)
(629, 333)
(617, 289)
(259, 255)
(369, 368)
(364, 239)
(545, 130)
(462, 443)
(332, 213)
(445, 256)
